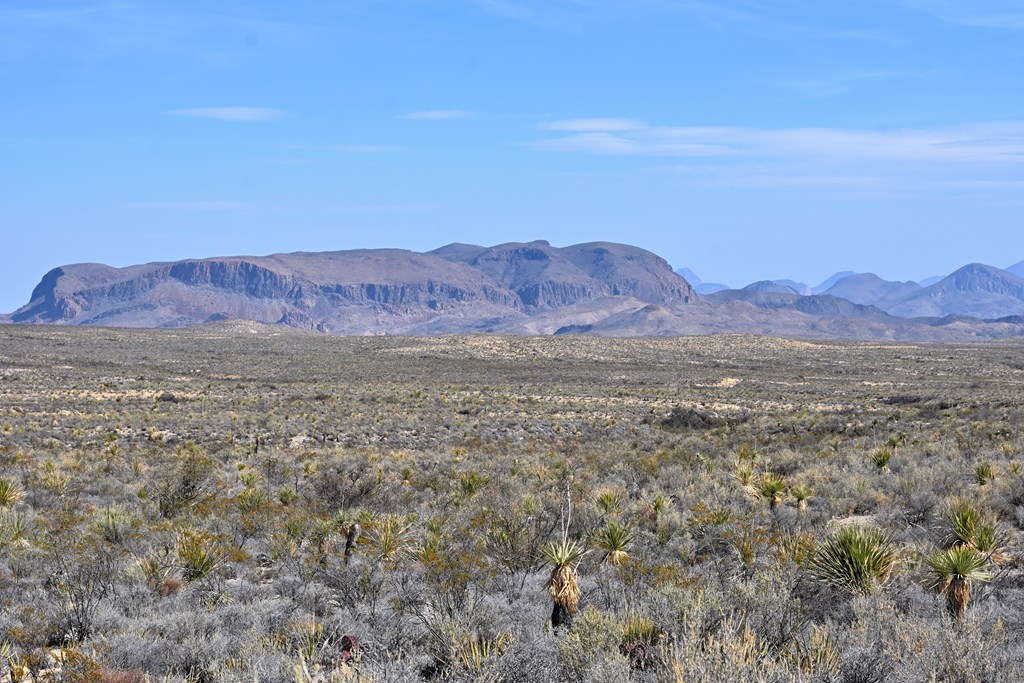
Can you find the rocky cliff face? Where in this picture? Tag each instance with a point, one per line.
(359, 291)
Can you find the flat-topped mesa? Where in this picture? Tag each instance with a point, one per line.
(350, 290)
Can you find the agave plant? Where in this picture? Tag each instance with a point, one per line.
(855, 558)
(952, 572)
(612, 540)
(564, 556)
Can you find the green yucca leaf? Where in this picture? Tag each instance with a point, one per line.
(564, 553)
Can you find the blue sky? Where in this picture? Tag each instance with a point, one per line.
(745, 139)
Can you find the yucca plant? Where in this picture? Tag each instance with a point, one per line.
(772, 489)
(14, 528)
(472, 483)
(320, 535)
(197, 557)
(612, 540)
(815, 652)
(881, 457)
(744, 474)
(113, 526)
(659, 504)
(952, 572)
(155, 568)
(989, 541)
(985, 472)
(964, 519)
(286, 495)
(607, 503)
(471, 652)
(564, 556)
(10, 493)
(391, 540)
(855, 558)
(801, 493)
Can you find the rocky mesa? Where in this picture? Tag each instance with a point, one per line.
(392, 291)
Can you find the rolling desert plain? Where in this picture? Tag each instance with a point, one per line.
(236, 501)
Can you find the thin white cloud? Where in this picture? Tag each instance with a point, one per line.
(1013, 22)
(978, 157)
(248, 114)
(438, 115)
(838, 83)
(350, 149)
(983, 143)
(995, 14)
(200, 205)
(602, 125)
(364, 149)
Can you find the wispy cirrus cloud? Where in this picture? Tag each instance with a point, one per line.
(604, 125)
(994, 14)
(841, 82)
(350, 148)
(975, 156)
(193, 205)
(987, 143)
(438, 115)
(246, 114)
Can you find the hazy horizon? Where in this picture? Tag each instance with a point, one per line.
(743, 139)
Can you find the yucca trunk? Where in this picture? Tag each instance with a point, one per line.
(352, 533)
(565, 595)
(957, 596)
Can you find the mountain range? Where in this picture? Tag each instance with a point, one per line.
(975, 290)
(599, 288)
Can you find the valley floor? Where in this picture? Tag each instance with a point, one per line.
(236, 502)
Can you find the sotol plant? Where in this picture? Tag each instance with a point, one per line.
(859, 559)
